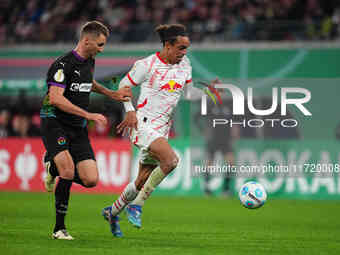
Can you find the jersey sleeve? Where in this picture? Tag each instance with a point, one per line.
(189, 77)
(188, 68)
(138, 72)
(191, 92)
(57, 75)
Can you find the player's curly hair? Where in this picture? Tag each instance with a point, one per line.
(94, 27)
(169, 32)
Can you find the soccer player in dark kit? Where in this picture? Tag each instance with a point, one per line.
(64, 116)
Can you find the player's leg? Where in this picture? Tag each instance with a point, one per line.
(79, 153)
(56, 142)
(134, 209)
(161, 150)
(130, 192)
(65, 166)
(133, 189)
(128, 195)
(87, 171)
(111, 212)
(143, 174)
(51, 172)
(87, 175)
(53, 136)
(168, 160)
(158, 152)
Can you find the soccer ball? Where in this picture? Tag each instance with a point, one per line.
(252, 195)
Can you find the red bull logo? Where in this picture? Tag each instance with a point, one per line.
(171, 86)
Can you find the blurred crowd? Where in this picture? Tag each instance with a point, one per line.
(20, 116)
(51, 21)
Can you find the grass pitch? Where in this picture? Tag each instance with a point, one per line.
(171, 225)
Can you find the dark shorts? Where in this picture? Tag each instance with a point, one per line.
(58, 137)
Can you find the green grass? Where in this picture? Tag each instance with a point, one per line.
(171, 225)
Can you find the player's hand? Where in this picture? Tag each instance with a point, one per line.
(122, 95)
(129, 122)
(98, 118)
(214, 90)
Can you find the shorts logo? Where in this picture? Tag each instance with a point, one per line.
(61, 140)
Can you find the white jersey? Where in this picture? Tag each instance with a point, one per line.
(162, 85)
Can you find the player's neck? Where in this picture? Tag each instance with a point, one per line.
(163, 55)
(81, 52)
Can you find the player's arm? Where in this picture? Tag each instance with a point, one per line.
(130, 119)
(191, 93)
(133, 78)
(56, 98)
(124, 94)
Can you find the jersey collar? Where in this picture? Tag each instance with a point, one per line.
(80, 58)
(159, 57)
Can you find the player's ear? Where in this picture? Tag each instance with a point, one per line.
(86, 40)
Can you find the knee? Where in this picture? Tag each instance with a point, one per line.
(90, 182)
(66, 170)
(170, 164)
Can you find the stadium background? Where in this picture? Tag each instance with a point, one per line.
(259, 44)
(285, 65)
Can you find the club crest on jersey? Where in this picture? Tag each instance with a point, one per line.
(59, 75)
(171, 86)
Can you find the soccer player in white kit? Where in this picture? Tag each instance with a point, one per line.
(163, 76)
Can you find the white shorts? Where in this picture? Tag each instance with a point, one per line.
(142, 138)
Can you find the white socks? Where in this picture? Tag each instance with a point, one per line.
(130, 192)
(152, 182)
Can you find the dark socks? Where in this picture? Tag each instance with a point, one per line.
(53, 169)
(77, 179)
(62, 195)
